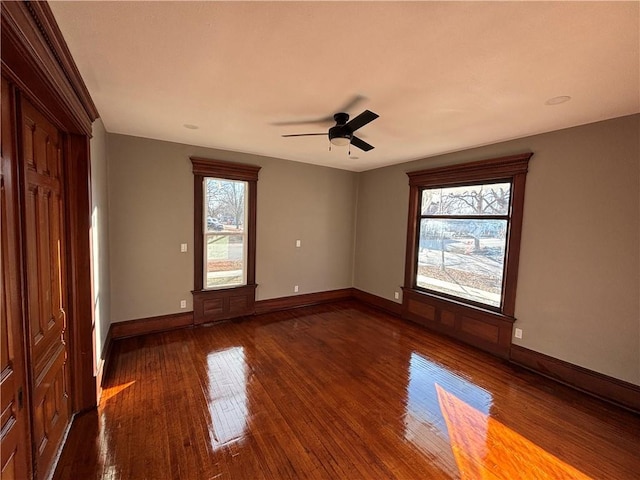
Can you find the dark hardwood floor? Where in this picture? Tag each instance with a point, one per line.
(337, 391)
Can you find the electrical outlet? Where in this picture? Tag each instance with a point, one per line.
(295, 289)
(518, 333)
(183, 304)
(298, 243)
(183, 247)
(396, 295)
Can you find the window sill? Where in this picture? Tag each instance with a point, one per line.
(463, 305)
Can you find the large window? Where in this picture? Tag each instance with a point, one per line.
(224, 239)
(464, 232)
(225, 236)
(462, 241)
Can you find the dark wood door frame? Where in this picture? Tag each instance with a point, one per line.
(39, 67)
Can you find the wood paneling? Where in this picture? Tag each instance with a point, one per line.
(422, 310)
(337, 391)
(223, 304)
(44, 227)
(489, 331)
(611, 389)
(15, 456)
(50, 124)
(303, 300)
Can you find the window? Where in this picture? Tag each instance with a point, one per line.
(464, 232)
(462, 241)
(224, 239)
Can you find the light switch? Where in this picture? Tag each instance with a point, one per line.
(298, 243)
(183, 247)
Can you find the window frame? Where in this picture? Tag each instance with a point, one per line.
(511, 169)
(213, 304)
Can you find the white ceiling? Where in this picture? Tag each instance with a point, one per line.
(443, 76)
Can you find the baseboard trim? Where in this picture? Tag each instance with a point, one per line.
(613, 390)
(305, 300)
(142, 326)
(387, 306)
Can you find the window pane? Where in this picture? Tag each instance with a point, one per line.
(224, 260)
(224, 205)
(488, 199)
(224, 221)
(464, 258)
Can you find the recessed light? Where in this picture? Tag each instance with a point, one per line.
(558, 100)
(190, 126)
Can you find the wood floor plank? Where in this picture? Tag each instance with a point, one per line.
(337, 391)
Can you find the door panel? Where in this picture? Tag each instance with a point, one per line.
(14, 443)
(43, 228)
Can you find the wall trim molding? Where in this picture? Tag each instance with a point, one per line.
(39, 53)
(303, 300)
(610, 389)
(143, 326)
(387, 306)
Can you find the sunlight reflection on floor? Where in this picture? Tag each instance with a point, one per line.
(227, 396)
(486, 449)
(111, 392)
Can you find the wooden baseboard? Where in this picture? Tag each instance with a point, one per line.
(304, 300)
(607, 388)
(142, 326)
(380, 303)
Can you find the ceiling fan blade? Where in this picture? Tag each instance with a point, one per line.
(304, 134)
(361, 120)
(361, 144)
(328, 119)
(351, 103)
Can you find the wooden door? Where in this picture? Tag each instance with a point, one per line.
(14, 444)
(45, 299)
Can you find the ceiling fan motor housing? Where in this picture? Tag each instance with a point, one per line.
(340, 135)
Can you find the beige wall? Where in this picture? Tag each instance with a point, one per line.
(578, 293)
(579, 284)
(100, 236)
(151, 214)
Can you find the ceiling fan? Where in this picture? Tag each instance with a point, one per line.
(342, 132)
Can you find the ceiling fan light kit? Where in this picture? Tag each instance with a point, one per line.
(342, 132)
